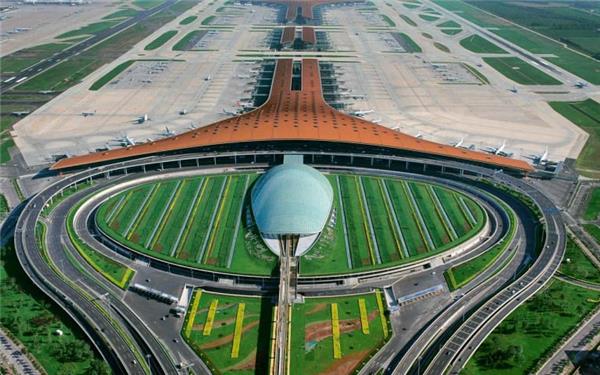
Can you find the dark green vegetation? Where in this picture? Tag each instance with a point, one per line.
(586, 115)
(476, 73)
(570, 23)
(592, 209)
(449, 24)
(189, 40)
(311, 335)
(426, 35)
(204, 222)
(73, 70)
(92, 28)
(111, 75)
(577, 63)
(159, 41)
(6, 142)
(406, 42)
(4, 209)
(460, 275)
(216, 347)
(519, 71)
(577, 265)
(451, 31)
(33, 319)
(188, 20)
(24, 58)
(477, 44)
(208, 20)
(441, 47)
(147, 4)
(408, 20)
(428, 17)
(532, 330)
(388, 20)
(123, 13)
(593, 230)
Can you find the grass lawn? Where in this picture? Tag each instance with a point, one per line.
(72, 71)
(441, 47)
(206, 222)
(592, 210)
(111, 75)
(312, 345)
(6, 142)
(532, 330)
(147, 4)
(388, 20)
(24, 58)
(33, 319)
(188, 20)
(123, 13)
(208, 20)
(519, 71)
(568, 59)
(586, 115)
(92, 28)
(593, 230)
(451, 31)
(188, 41)
(408, 20)
(477, 73)
(159, 41)
(579, 266)
(215, 345)
(428, 17)
(478, 44)
(406, 42)
(449, 24)
(4, 209)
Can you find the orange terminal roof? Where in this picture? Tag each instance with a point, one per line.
(293, 115)
(309, 35)
(288, 35)
(306, 6)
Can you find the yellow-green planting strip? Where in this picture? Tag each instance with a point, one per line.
(335, 331)
(237, 334)
(191, 317)
(210, 318)
(384, 325)
(364, 318)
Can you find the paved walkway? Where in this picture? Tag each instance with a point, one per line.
(12, 357)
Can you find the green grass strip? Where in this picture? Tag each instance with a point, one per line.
(142, 211)
(188, 223)
(188, 20)
(107, 267)
(215, 226)
(158, 42)
(364, 220)
(111, 75)
(169, 211)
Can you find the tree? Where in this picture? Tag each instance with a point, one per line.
(99, 367)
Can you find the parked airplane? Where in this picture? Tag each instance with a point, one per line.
(580, 84)
(208, 78)
(183, 112)
(125, 140)
(86, 114)
(20, 113)
(230, 113)
(167, 132)
(498, 150)
(540, 159)
(142, 119)
(459, 143)
(419, 135)
(514, 89)
(362, 113)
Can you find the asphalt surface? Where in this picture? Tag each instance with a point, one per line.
(36, 267)
(48, 63)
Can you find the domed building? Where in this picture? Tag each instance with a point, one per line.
(291, 204)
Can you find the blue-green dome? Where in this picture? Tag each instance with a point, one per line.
(292, 198)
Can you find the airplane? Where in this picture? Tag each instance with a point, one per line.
(167, 132)
(514, 89)
(581, 84)
(20, 113)
(361, 113)
(419, 135)
(208, 78)
(498, 150)
(192, 126)
(86, 114)
(230, 113)
(183, 112)
(142, 119)
(458, 144)
(125, 140)
(540, 159)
